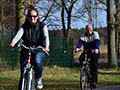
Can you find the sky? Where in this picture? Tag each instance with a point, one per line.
(101, 18)
(101, 21)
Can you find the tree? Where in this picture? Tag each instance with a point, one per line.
(117, 25)
(2, 28)
(7, 16)
(48, 13)
(20, 13)
(2, 15)
(59, 14)
(8, 9)
(68, 9)
(112, 59)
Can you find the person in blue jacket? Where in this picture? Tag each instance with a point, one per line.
(91, 41)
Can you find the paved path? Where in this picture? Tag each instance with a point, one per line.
(115, 87)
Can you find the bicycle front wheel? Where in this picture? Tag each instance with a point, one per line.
(83, 79)
(31, 80)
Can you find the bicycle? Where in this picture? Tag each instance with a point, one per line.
(85, 76)
(28, 79)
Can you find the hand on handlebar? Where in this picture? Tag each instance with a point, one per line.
(96, 51)
(77, 50)
(47, 49)
(12, 44)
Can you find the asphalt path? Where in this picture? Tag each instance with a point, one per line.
(115, 87)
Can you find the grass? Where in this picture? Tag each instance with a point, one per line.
(59, 78)
(107, 77)
(62, 78)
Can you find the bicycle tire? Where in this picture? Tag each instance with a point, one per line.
(24, 82)
(28, 82)
(33, 84)
(31, 80)
(83, 79)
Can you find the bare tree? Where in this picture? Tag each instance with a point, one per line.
(112, 59)
(49, 13)
(67, 7)
(62, 13)
(9, 14)
(117, 25)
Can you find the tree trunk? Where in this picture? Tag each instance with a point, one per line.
(63, 21)
(67, 27)
(117, 42)
(69, 24)
(2, 28)
(112, 59)
(117, 26)
(20, 13)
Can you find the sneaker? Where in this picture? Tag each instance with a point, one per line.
(94, 85)
(39, 84)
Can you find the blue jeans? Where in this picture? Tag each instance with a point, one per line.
(37, 60)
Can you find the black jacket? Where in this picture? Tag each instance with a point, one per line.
(33, 34)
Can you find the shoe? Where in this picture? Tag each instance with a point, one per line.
(94, 85)
(39, 84)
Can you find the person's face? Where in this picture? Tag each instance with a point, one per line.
(32, 18)
(89, 30)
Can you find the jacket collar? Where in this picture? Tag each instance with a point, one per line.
(86, 34)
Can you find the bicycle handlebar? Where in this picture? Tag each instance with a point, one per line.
(32, 48)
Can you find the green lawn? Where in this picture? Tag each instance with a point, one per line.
(59, 78)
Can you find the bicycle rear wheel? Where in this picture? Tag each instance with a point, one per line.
(83, 79)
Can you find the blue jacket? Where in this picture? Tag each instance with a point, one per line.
(90, 42)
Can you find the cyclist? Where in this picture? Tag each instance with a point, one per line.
(91, 41)
(33, 33)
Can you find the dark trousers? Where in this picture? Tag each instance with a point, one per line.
(93, 65)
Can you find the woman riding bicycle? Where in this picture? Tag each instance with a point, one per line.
(33, 33)
(91, 41)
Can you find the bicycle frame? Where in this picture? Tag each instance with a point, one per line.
(28, 69)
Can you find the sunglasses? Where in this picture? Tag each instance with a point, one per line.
(32, 16)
